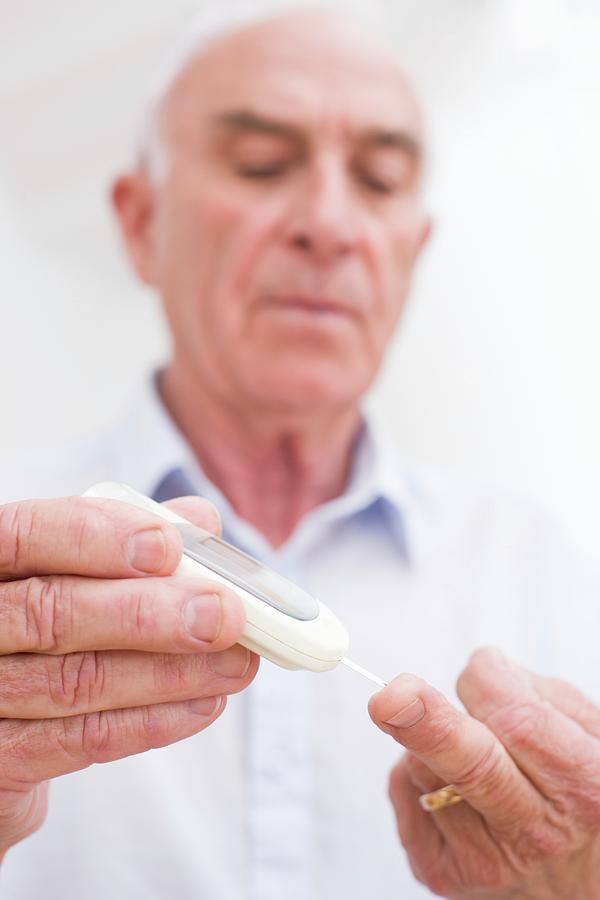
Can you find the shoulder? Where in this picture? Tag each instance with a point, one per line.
(447, 508)
(455, 508)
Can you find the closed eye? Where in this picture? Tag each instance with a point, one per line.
(385, 170)
(265, 171)
(377, 184)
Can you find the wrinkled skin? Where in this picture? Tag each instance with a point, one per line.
(101, 656)
(281, 230)
(526, 759)
(283, 223)
(281, 234)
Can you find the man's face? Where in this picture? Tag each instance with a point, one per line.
(285, 227)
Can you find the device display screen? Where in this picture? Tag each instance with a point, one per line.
(247, 573)
(234, 559)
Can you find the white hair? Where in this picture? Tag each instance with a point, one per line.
(216, 20)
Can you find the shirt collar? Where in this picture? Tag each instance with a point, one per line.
(155, 459)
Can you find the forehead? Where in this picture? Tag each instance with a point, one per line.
(316, 71)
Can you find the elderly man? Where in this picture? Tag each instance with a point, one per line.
(277, 211)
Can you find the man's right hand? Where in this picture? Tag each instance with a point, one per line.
(101, 656)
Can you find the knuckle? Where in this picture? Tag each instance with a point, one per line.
(443, 733)
(542, 839)
(95, 525)
(12, 616)
(154, 726)
(17, 523)
(88, 524)
(138, 612)
(86, 738)
(77, 680)
(484, 768)
(174, 673)
(47, 605)
(106, 735)
(520, 723)
(97, 734)
(580, 795)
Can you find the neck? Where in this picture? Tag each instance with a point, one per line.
(273, 467)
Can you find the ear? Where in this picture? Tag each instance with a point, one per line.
(134, 203)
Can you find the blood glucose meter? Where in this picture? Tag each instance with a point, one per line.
(283, 623)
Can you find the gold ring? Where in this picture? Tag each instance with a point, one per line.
(436, 800)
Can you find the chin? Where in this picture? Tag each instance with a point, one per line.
(308, 388)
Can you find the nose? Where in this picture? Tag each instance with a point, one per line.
(323, 223)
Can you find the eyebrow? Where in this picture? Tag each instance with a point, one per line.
(247, 120)
(399, 140)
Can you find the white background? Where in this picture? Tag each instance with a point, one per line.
(496, 370)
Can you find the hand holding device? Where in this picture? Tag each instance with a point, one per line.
(283, 623)
(100, 656)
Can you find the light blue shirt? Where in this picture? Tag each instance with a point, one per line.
(286, 795)
(280, 821)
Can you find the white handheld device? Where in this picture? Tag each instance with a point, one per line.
(283, 622)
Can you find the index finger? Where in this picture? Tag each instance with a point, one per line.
(85, 536)
(457, 748)
(196, 510)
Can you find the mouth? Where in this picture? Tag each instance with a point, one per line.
(312, 305)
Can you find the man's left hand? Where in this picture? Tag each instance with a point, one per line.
(525, 759)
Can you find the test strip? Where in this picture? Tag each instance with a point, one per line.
(374, 678)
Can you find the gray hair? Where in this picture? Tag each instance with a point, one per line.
(214, 21)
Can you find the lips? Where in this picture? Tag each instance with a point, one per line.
(316, 305)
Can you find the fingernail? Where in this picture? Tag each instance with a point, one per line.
(203, 706)
(203, 617)
(147, 550)
(409, 715)
(232, 663)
